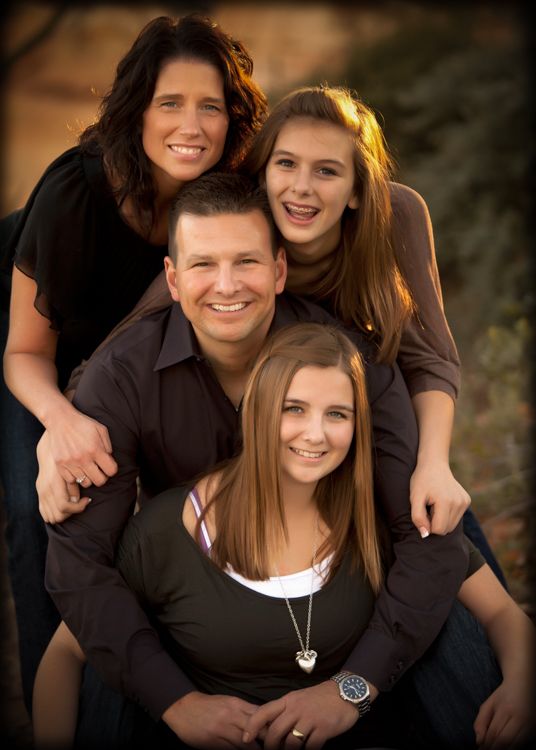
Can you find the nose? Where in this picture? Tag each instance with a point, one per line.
(226, 282)
(313, 431)
(302, 181)
(189, 124)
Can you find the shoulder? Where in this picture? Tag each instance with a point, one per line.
(161, 513)
(149, 537)
(127, 361)
(406, 200)
(62, 176)
(135, 344)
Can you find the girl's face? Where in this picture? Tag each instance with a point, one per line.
(317, 424)
(185, 124)
(310, 181)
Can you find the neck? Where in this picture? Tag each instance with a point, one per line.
(308, 263)
(232, 362)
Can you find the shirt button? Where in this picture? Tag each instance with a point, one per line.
(400, 665)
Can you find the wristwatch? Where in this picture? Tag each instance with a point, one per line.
(353, 688)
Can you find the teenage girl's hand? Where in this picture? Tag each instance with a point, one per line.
(505, 719)
(317, 712)
(438, 501)
(210, 721)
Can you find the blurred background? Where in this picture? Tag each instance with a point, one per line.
(450, 83)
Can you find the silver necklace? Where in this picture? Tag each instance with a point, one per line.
(306, 657)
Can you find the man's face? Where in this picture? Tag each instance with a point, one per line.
(226, 277)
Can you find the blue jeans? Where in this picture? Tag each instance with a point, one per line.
(473, 530)
(450, 682)
(26, 537)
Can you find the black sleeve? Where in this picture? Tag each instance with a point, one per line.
(422, 583)
(52, 240)
(81, 576)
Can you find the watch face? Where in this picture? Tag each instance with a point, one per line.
(354, 688)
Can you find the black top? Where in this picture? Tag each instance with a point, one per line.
(89, 265)
(229, 639)
(168, 420)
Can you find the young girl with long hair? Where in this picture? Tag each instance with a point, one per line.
(89, 241)
(262, 576)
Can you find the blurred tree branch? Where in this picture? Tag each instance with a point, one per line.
(37, 38)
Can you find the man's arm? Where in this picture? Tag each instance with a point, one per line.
(81, 577)
(422, 583)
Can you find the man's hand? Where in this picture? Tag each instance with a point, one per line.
(210, 721)
(317, 712)
(438, 501)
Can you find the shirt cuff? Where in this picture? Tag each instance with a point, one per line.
(379, 659)
(157, 683)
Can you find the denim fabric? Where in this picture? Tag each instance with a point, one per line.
(473, 530)
(26, 537)
(450, 682)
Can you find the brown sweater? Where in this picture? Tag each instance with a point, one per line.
(427, 356)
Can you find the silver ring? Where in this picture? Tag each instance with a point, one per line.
(81, 479)
(299, 735)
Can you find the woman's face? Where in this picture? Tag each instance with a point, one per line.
(317, 424)
(185, 124)
(310, 181)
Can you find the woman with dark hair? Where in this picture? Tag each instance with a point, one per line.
(89, 241)
(262, 576)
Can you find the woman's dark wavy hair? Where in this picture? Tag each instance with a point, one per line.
(118, 129)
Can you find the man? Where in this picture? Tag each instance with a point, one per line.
(169, 391)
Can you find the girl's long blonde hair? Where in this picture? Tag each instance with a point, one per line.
(363, 283)
(249, 512)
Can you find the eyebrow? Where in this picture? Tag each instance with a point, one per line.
(338, 407)
(207, 99)
(238, 256)
(282, 152)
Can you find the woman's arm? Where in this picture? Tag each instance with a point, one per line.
(430, 364)
(433, 486)
(80, 445)
(507, 716)
(56, 691)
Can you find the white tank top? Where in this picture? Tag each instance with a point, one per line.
(295, 584)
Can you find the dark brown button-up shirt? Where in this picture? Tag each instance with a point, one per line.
(168, 420)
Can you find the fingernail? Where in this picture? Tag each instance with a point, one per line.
(245, 737)
(424, 532)
(73, 499)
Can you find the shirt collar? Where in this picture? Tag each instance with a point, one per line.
(180, 343)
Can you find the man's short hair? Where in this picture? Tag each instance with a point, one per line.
(216, 194)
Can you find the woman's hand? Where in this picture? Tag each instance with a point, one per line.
(58, 491)
(438, 501)
(58, 499)
(505, 719)
(80, 447)
(210, 721)
(318, 712)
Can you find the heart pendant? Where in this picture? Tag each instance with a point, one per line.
(306, 660)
